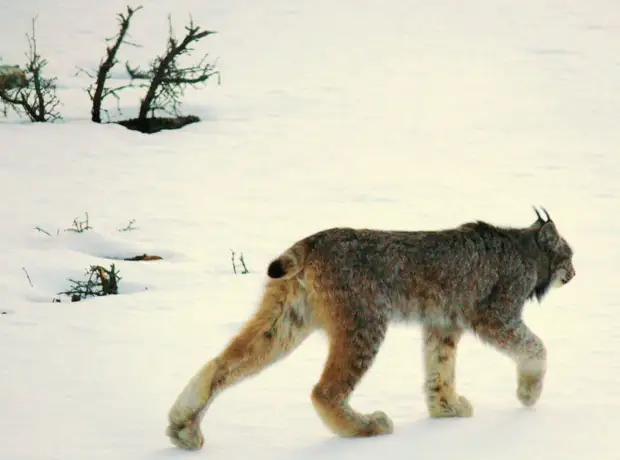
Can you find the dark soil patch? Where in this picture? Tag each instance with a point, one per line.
(144, 257)
(156, 124)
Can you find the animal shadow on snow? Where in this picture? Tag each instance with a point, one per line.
(424, 436)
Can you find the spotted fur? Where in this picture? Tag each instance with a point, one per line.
(353, 283)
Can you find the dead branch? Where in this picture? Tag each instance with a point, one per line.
(28, 276)
(38, 99)
(167, 79)
(100, 282)
(98, 92)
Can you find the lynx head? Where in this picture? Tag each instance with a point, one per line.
(559, 268)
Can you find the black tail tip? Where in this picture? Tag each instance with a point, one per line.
(276, 269)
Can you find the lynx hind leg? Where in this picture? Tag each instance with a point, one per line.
(528, 351)
(280, 325)
(442, 399)
(354, 342)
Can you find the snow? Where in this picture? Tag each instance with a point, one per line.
(386, 114)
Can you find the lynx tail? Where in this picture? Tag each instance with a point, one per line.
(291, 262)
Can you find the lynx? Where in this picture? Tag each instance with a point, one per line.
(11, 77)
(352, 283)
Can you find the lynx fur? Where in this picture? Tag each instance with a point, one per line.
(353, 283)
(12, 77)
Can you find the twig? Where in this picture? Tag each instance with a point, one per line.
(167, 80)
(232, 258)
(100, 282)
(38, 101)
(28, 276)
(79, 227)
(98, 92)
(245, 269)
(43, 231)
(129, 227)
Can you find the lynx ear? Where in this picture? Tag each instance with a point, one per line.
(548, 236)
(539, 220)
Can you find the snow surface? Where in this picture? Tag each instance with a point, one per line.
(373, 113)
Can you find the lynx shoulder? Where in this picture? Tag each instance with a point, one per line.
(353, 283)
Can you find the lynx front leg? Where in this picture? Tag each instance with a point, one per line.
(528, 351)
(440, 366)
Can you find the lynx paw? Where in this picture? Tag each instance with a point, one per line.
(529, 389)
(187, 436)
(461, 407)
(379, 423)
